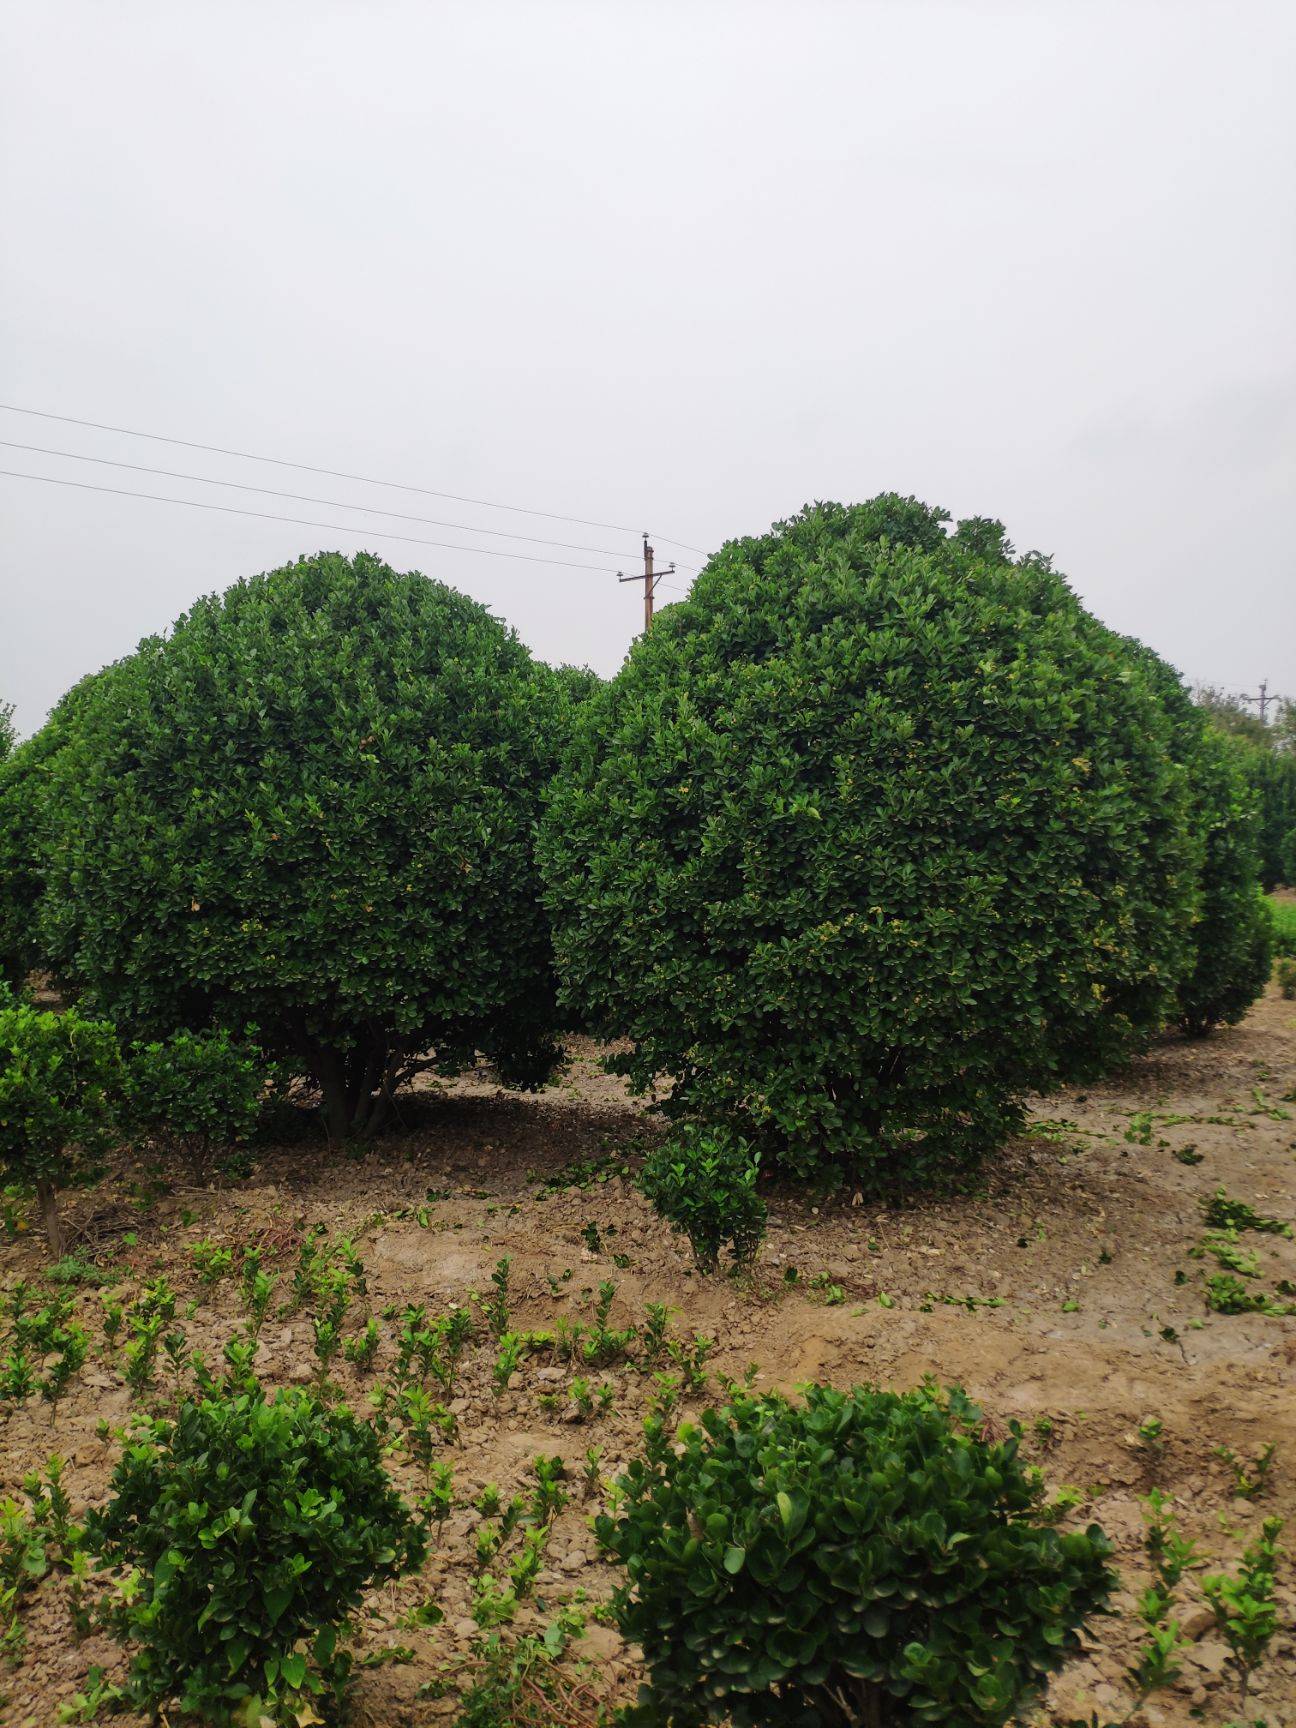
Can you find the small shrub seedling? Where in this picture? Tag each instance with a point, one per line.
(362, 1350)
(1156, 1663)
(1244, 1606)
(495, 1306)
(211, 1263)
(256, 1526)
(549, 1496)
(794, 1562)
(1249, 1479)
(704, 1183)
(1223, 1213)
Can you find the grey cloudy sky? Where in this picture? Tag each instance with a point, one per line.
(679, 267)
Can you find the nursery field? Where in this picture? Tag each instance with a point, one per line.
(1068, 1293)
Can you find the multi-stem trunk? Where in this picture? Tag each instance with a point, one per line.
(352, 1085)
(844, 1701)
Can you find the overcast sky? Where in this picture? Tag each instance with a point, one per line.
(675, 267)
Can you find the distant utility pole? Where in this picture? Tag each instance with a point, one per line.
(649, 580)
(1263, 700)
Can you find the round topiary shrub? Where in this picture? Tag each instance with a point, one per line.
(870, 837)
(257, 1526)
(866, 1557)
(310, 809)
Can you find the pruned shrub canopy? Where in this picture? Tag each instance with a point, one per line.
(309, 809)
(864, 1557)
(874, 833)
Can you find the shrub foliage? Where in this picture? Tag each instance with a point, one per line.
(1272, 774)
(704, 1183)
(1231, 941)
(195, 1090)
(864, 1557)
(874, 833)
(60, 1083)
(24, 840)
(1233, 929)
(309, 808)
(256, 1525)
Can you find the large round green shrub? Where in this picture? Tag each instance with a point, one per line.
(256, 1525)
(863, 1558)
(309, 808)
(870, 837)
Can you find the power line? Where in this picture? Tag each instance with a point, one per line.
(684, 543)
(306, 498)
(330, 473)
(307, 522)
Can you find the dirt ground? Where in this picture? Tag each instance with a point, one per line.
(1064, 1294)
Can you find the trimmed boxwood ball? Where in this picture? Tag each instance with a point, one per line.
(309, 808)
(864, 1557)
(874, 834)
(256, 1525)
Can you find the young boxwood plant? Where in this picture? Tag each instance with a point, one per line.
(194, 1091)
(59, 1091)
(257, 1526)
(863, 1557)
(703, 1181)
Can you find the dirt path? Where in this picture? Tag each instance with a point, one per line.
(1064, 1294)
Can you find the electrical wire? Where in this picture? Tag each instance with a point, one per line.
(331, 473)
(308, 498)
(307, 522)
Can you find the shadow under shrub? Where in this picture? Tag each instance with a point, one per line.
(257, 1526)
(865, 1557)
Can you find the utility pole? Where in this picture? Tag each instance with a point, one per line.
(1263, 700)
(649, 580)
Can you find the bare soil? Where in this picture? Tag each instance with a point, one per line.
(1051, 1293)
